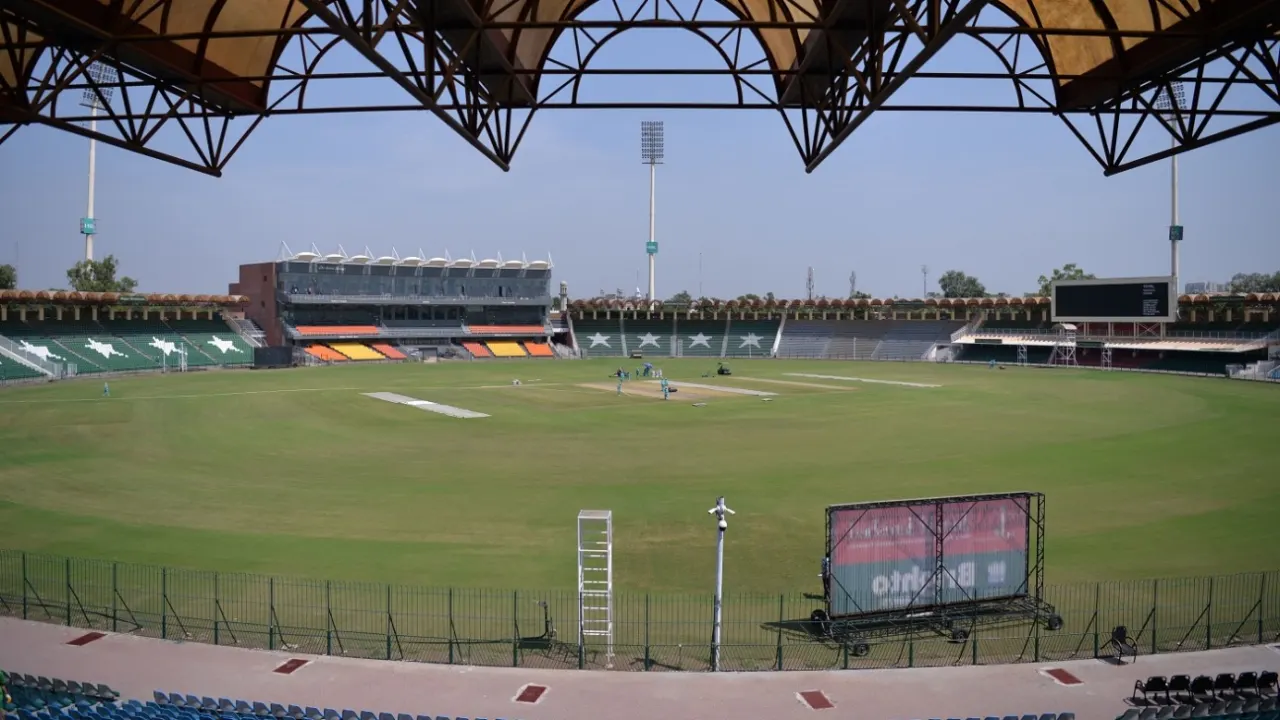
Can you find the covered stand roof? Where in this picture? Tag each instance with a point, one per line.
(223, 55)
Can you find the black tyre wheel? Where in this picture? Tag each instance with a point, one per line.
(860, 649)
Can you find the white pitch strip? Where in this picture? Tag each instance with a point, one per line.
(722, 388)
(426, 405)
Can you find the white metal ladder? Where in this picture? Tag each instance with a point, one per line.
(595, 579)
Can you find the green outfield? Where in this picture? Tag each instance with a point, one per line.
(295, 472)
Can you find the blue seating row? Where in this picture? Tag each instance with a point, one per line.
(174, 706)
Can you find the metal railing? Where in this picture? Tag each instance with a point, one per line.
(1172, 334)
(384, 299)
(55, 369)
(652, 631)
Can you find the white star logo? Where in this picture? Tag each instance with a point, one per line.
(700, 339)
(106, 350)
(648, 339)
(224, 345)
(168, 347)
(40, 351)
(599, 339)
(751, 339)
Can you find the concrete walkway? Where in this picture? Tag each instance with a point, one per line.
(137, 666)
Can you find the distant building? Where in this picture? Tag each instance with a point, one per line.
(1199, 288)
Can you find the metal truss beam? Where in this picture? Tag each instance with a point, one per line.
(366, 49)
(933, 31)
(458, 66)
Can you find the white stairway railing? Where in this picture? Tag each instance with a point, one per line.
(14, 352)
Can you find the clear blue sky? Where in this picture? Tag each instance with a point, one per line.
(1005, 198)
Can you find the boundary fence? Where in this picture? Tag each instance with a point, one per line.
(654, 632)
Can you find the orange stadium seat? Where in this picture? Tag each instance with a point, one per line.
(477, 349)
(389, 351)
(325, 353)
(337, 330)
(507, 329)
(537, 349)
(505, 349)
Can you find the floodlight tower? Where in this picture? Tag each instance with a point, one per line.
(651, 153)
(720, 510)
(97, 95)
(1169, 102)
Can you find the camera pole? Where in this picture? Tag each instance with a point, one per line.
(721, 525)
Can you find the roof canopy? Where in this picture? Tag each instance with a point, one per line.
(225, 54)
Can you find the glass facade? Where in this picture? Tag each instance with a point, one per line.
(412, 316)
(406, 281)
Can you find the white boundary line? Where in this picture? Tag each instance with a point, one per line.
(864, 380)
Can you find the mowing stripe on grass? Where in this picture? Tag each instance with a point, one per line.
(126, 398)
(865, 380)
(722, 388)
(426, 405)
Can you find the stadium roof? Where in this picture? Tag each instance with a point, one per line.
(340, 256)
(216, 62)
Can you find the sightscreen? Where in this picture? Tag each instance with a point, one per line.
(1115, 300)
(924, 553)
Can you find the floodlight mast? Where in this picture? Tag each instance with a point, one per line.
(1170, 102)
(651, 154)
(101, 77)
(721, 525)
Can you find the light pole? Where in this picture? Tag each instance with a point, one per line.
(99, 92)
(1169, 102)
(721, 525)
(651, 153)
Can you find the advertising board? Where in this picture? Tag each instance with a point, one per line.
(923, 553)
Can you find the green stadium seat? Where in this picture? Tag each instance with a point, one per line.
(700, 338)
(599, 338)
(652, 338)
(13, 370)
(751, 338)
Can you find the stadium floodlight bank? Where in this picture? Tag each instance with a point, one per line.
(940, 566)
(1123, 300)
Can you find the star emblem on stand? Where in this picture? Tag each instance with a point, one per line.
(599, 339)
(751, 339)
(648, 339)
(700, 339)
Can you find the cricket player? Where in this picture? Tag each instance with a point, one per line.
(106, 390)
(619, 383)
(666, 391)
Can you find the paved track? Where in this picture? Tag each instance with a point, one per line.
(136, 666)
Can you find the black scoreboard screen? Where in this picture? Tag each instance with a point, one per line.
(1115, 300)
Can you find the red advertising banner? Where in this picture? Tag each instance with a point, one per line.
(906, 532)
(987, 526)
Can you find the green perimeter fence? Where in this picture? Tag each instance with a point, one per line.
(656, 632)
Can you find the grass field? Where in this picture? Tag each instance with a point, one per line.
(295, 472)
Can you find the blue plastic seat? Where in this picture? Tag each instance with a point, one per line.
(331, 714)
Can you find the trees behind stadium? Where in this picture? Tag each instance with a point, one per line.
(99, 276)
(8, 277)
